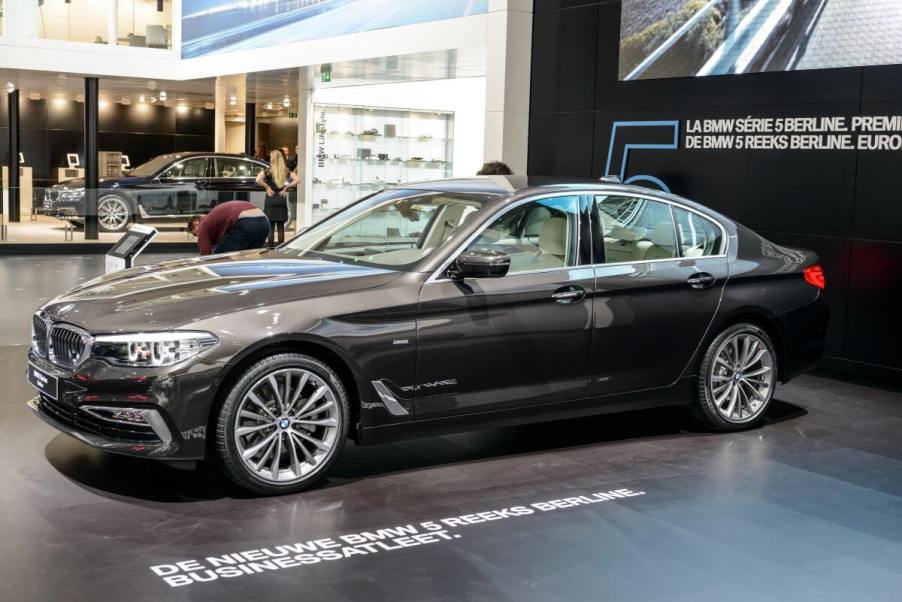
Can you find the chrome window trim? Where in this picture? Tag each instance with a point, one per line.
(434, 277)
(671, 204)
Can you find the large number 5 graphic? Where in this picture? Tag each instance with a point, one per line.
(627, 136)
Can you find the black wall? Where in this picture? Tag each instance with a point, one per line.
(846, 205)
(51, 129)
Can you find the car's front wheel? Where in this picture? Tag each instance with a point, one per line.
(283, 424)
(736, 379)
(113, 213)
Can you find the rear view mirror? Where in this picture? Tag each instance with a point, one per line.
(480, 264)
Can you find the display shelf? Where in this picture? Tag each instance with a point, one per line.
(359, 150)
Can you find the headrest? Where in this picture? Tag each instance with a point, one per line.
(662, 234)
(553, 237)
(628, 234)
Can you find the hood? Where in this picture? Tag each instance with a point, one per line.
(175, 293)
(113, 182)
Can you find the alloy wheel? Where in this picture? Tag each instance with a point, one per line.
(741, 378)
(287, 425)
(112, 213)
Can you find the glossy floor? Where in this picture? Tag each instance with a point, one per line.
(807, 507)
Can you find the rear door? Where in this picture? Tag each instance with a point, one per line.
(659, 274)
(234, 178)
(523, 339)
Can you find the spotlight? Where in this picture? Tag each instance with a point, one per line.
(142, 98)
(286, 102)
(268, 106)
(163, 95)
(10, 87)
(126, 100)
(34, 95)
(233, 100)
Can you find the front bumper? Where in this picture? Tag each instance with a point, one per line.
(159, 413)
(92, 433)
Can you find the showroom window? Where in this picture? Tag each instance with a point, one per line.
(698, 236)
(144, 23)
(540, 235)
(139, 23)
(636, 229)
(73, 20)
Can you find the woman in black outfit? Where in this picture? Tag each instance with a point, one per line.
(277, 178)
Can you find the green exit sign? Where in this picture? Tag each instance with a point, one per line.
(325, 72)
(327, 76)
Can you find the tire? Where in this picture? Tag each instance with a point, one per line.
(114, 213)
(736, 379)
(305, 437)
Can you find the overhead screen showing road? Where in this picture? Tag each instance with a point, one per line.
(687, 38)
(227, 25)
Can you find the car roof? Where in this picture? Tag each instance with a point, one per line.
(514, 187)
(207, 154)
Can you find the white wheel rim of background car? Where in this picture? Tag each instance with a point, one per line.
(112, 212)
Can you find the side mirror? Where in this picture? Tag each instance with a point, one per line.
(479, 264)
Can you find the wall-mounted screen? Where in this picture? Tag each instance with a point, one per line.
(225, 25)
(689, 38)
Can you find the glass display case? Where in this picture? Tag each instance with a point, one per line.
(361, 150)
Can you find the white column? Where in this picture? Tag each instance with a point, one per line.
(112, 21)
(221, 102)
(509, 61)
(305, 142)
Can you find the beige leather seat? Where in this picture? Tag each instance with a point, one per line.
(552, 245)
(624, 244)
(663, 242)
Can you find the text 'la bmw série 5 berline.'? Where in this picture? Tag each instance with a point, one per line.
(430, 307)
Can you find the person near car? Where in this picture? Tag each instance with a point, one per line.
(261, 152)
(277, 181)
(495, 168)
(231, 226)
(292, 160)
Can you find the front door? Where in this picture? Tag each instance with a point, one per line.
(179, 190)
(494, 343)
(659, 276)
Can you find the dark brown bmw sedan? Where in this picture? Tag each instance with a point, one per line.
(437, 306)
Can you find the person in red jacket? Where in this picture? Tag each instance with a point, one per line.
(231, 226)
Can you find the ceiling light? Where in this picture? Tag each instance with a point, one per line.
(126, 100)
(268, 106)
(34, 95)
(182, 109)
(151, 84)
(233, 100)
(286, 102)
(162, 94)
(142, 98)
(209, 106)
(10, 87)
(61, 79)
(103, 103)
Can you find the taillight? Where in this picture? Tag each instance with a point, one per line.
(814, 275)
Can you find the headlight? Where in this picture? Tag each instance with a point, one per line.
(153, 349)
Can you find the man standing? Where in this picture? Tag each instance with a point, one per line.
(231, 226)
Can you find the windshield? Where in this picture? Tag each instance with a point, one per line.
(151, 167)
(394, 229)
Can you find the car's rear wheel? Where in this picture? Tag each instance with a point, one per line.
(282, 424)
(113, 213)
(736, 379)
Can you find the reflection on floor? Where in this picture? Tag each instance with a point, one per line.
(807, 507)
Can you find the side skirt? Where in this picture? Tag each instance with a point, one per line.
(674, 395)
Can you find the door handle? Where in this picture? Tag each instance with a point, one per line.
(701, 280)
(568, 294)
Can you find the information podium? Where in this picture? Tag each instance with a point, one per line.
(127, 248)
